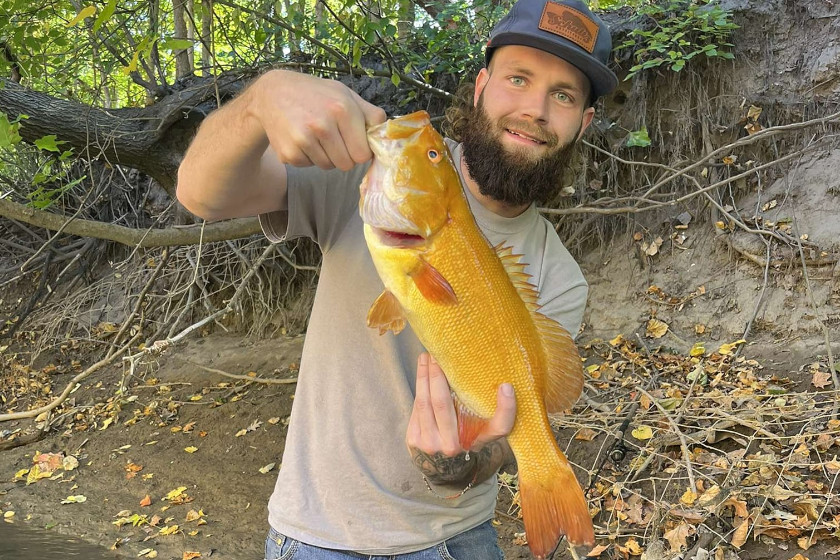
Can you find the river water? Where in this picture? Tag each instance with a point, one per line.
(23, 543)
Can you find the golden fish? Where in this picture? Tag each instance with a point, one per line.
(472, 307)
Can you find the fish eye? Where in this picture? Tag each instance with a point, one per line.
(434, 155)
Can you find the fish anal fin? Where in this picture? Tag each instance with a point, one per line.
(470, 425)
(563, 383)
(431, 283)
(553, 505)
(386, 314)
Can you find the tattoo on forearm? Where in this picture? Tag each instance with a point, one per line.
(482, 464)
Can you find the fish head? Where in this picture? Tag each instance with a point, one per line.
(408, 189)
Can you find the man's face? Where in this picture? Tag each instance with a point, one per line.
(530, 109)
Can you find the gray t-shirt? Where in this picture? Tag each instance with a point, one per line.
(347, 480)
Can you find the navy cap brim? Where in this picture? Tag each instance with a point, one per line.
(601, 78)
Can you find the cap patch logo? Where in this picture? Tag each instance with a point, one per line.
(570, 24)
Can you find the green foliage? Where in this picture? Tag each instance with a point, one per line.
(680, 30)
(638, 138)
(9, 131)
(122, 54)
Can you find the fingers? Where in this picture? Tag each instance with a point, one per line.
(433, 426)
(501, 423)
(311, 121)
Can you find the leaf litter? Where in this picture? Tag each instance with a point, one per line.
(714, 446)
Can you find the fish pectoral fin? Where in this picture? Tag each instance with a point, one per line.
(470, 425)
(386, 314)
(431, 283)
(563, 383)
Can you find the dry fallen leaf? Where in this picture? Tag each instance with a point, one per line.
(169, 530)
(677, 536)
(596, 552)
(146, 502)
(189, 555)
(656, 328)
(821, 379)
(642, 432)
(726, 349)
(585, 434)
(689, 497)
(191, 449)
(739, 537)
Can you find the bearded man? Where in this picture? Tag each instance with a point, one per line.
(293, 150)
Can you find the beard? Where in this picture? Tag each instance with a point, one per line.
(513, 177)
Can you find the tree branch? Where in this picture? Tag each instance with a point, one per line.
(184, 235)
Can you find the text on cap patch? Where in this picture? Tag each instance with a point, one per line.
(570, 24)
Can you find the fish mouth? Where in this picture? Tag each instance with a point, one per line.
(398, 239)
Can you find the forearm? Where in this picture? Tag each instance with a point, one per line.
(457, 471)
(229, 170)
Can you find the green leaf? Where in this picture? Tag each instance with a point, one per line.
(395, 79)
(639, 138)
(8, 131)
(176, 44)
(105, 15)
(48, 143)
(84, 13)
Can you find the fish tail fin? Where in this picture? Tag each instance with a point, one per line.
(553, 505)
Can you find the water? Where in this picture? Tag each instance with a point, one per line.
(23, 543)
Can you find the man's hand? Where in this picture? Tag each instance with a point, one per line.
(234, 166)
(312, 121)
(432, 434)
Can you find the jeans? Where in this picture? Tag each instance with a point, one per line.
(476, 544)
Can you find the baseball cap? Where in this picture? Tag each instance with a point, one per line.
(564, 28)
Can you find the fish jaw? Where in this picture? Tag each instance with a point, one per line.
(406, 192)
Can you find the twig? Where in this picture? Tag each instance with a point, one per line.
(676, 428)
(243, 377)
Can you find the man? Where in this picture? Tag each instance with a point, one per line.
(292, 149)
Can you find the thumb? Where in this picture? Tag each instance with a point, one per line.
(503, 419)
(373, 115)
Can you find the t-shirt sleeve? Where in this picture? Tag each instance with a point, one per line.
(563, 288)
(320, 203)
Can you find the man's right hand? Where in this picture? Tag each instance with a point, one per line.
(312, 121)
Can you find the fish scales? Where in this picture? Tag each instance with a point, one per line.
(444, 279)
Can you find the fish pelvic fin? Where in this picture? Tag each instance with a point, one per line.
(553, 505)
(563, 382)
(386, 314)
(470, 425)
(564, 375)
(431, 283)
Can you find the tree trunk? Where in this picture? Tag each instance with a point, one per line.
(182, 57)
(151, 139)
(206, 37)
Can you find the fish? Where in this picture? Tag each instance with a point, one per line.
(473, 308)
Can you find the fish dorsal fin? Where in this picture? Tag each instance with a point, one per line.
(564, 374)
(386, 314)
(521, 279)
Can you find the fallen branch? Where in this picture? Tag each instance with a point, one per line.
(147, 238)
(242, 377)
